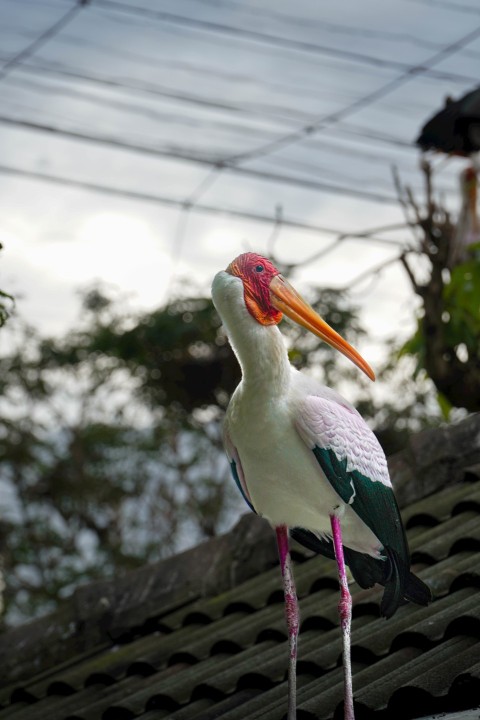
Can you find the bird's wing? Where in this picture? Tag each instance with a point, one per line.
(354, 464)
(236, 467)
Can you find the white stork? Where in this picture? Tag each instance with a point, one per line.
(302, 456)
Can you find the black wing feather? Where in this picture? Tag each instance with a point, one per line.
(376, 505)
(368, 571)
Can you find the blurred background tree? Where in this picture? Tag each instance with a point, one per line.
(446, 344)
(6, 303)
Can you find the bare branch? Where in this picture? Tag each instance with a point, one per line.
(376, 270)
(417, 288)
(406, 204)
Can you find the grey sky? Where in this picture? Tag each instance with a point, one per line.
(202, 81)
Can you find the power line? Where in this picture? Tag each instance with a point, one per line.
(466, 9)
(335, 117)
(134, 107)
(182, 97)
(151, 113)
(267, 38)
(314, 185)
(201, 208)
(336, 28)
(325, 146)
(355, 31)
(143, 88)
(190, 203)
(359, 59)
(47, 35)
(359, 104)
(147, 89)
(170, 17)
(350, 30)
(376, 136)
(198, 159)
(182, 223)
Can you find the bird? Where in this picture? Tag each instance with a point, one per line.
(303, 458)
(455, 129)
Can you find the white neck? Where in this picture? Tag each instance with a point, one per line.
(260, 349)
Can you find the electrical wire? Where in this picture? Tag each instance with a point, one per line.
(178, 203)
(314, 24)
(466, 9)
(256, 36)
(353, 107)
(231, 164)
(149, 89)
(47, 35)
(189, 156)
(359, 104)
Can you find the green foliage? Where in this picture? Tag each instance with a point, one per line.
(178, 354)
(97, 476)
(415, 346)
(462, 303)
(446, 344)
(445, 406)
(460, 318)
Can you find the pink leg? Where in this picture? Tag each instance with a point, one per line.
(345, 611)
(292, 616)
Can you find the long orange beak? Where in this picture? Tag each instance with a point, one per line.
(286, 299)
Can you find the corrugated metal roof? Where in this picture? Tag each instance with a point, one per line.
(188, 657)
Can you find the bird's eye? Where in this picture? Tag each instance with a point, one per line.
(259, 268)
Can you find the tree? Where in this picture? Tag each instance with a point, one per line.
(447, 341)
(6, 303)
(98, 476)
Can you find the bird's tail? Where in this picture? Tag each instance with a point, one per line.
(400, 584)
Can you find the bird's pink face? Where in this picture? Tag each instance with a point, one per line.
(256, 273)
(268, 295)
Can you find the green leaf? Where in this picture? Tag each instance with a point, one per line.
(444, 405)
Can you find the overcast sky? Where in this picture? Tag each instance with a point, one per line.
(144, 103)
